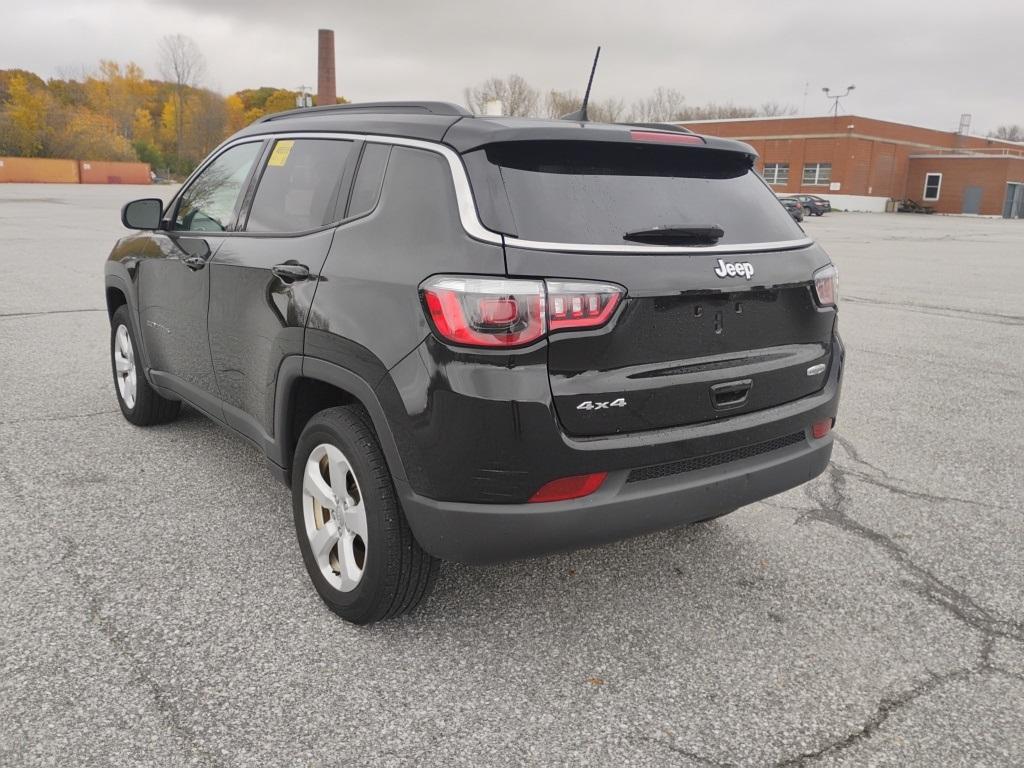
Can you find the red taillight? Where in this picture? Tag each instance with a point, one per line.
(574, 487)
(499, 312)
(821, 428)
(826, 286)
(486, 312)
(665, 137)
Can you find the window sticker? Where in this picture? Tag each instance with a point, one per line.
(280, 154)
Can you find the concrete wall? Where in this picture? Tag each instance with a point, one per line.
(856, 202)
(47, 170)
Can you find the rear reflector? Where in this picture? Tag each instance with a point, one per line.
(821, 428)
(573, 487)
(665, 137)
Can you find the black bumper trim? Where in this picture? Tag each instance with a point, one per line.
(484, 533)
(656, 471)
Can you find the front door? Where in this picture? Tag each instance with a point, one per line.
(263, 278)
(174, 282)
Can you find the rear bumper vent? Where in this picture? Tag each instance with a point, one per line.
(707, 461)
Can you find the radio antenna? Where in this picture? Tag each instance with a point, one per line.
(580, 116)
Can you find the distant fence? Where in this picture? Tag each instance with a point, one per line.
(47, 171)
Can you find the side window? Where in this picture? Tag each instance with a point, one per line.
(370, 176)
(932, 185)
(209, 201)
(299, 185)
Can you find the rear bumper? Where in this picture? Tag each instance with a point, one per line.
(680, 475)
(482, 533)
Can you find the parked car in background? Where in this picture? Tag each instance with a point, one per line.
(814, 205)
(794, 206)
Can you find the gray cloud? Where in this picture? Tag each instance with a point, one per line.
(921, 62)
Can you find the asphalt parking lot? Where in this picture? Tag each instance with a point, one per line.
(154, 609)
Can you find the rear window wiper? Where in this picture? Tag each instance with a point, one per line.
(699, 234)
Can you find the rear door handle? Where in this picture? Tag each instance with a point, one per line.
(194, 262)
(290, 272)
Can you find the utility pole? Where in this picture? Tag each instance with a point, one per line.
(836, 98)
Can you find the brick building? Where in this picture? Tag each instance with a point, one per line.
(861, 164)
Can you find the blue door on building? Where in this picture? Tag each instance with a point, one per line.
(1013, 208)
(972, 200)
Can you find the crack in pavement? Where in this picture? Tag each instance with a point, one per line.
(953, 312)
(832, 508)
(694, 756)
(50, 312)
(886, 707)
(118, 638)
(60, 417)
(137, 667)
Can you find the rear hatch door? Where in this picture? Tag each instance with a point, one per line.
(709, 328)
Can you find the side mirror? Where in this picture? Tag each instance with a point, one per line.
(142, 214)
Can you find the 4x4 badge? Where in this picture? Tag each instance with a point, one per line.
(598, 405)
(735, 269)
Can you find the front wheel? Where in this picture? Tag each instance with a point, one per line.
(357, 546)
(140, 403)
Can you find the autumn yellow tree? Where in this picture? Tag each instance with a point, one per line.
(279, 101)
(236, 113)
(23, 130)
(91, 136)
(119, 92)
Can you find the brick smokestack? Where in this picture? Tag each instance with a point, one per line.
(326, 87)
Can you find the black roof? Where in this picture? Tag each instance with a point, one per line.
(456, 126)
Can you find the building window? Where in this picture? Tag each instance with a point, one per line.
(932, 184)
(776, 173)
(817, 174)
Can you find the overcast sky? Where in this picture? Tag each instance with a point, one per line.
(919, 62)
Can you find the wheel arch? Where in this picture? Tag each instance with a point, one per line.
(309, 385)
(116, 298)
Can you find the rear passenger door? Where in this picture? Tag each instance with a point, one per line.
(262, 280)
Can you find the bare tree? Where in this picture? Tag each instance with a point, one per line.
(560, 103)
(182, 63)
(775, 109)
(1008, 133)
(665, 105)
(517, 96)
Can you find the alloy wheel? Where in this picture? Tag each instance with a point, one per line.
(124, 366)
(335, 517)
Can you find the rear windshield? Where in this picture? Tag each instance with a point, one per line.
(597, 192)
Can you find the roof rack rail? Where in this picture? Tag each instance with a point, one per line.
(376, 107)
(659, 126)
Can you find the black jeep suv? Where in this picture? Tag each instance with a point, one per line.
(478, 338)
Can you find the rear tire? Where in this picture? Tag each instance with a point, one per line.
(355, 541)
(140, 403)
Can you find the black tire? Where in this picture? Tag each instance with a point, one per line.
(149, 406)
(396, 573)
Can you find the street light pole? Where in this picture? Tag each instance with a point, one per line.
(836, 98)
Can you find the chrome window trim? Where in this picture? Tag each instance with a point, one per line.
(471, 220)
